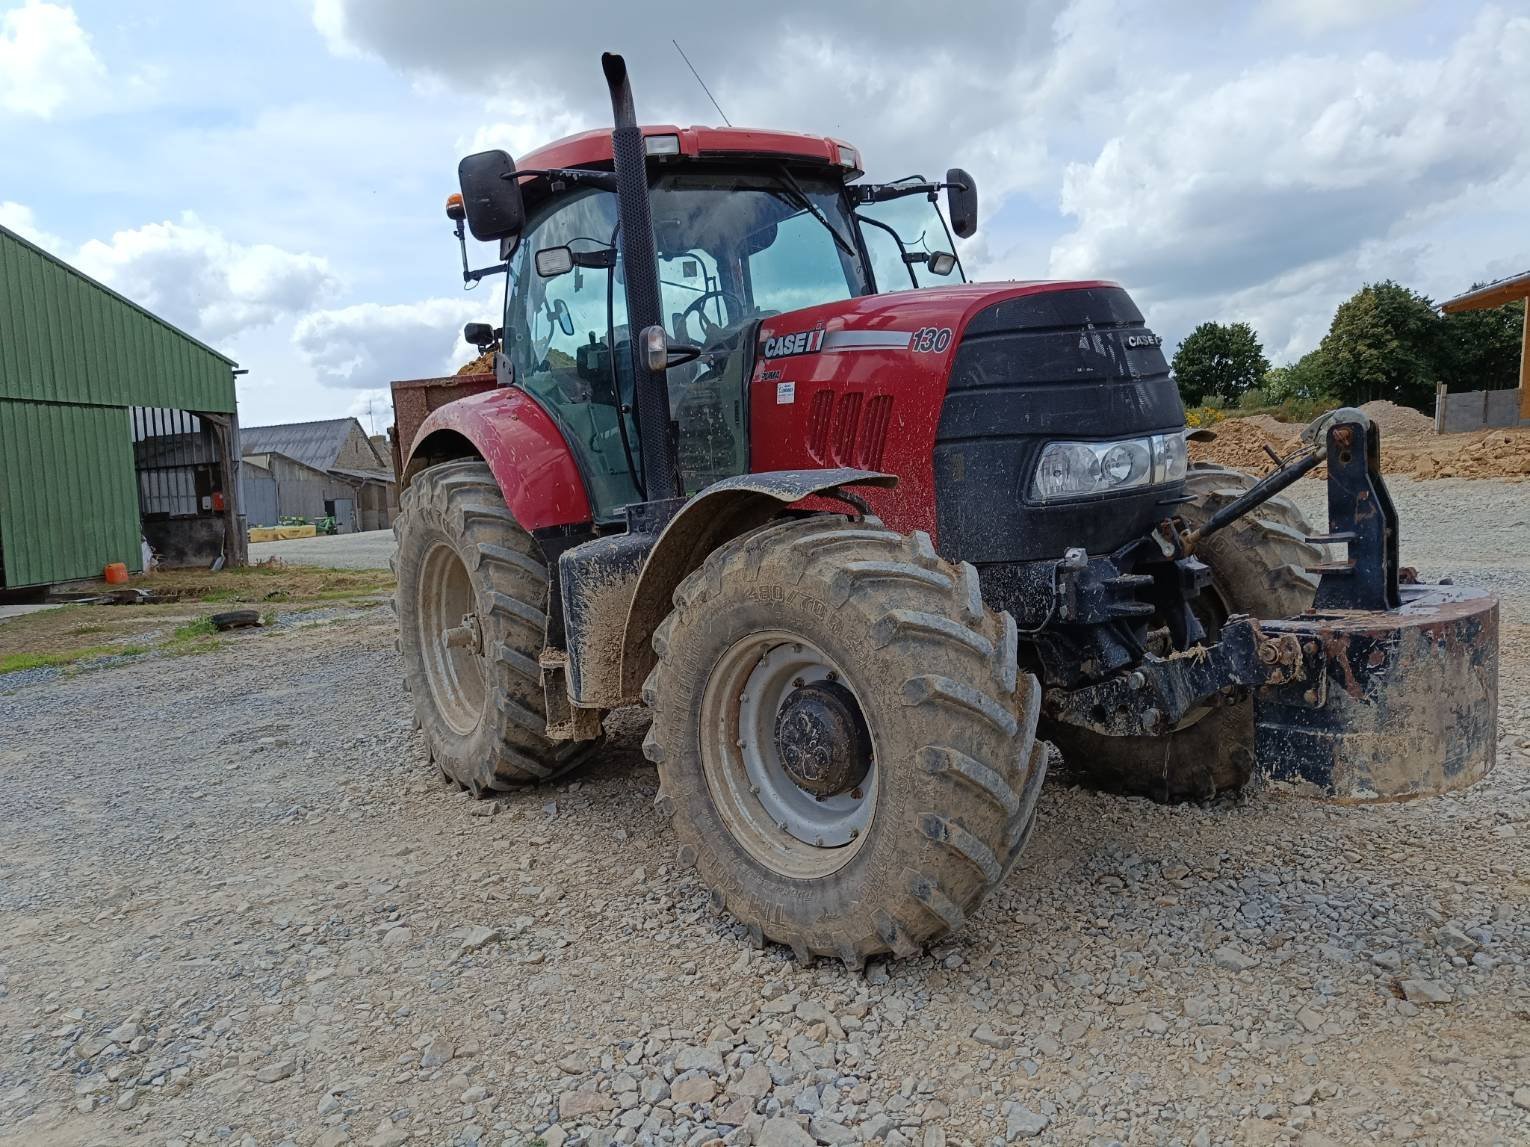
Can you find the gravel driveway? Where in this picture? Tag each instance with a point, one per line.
(240, 909)
(365, 551)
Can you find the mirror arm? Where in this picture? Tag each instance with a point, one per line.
(483, 272)
(578, 176)
(471, 277)
(882, 192)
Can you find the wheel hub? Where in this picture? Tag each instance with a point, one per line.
(807, 755)
(822, 739)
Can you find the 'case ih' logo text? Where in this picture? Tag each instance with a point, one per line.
(803, 342)
(1143, 340)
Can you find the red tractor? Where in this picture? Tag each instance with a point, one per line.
(758, 456)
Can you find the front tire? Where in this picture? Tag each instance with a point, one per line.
(1258, 567)
(471, 601)
(893, 849)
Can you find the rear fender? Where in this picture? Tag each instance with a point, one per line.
(721, 512)
(521, 444)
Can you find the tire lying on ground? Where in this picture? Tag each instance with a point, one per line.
(471, 602)
(1258, 567)
(845, 743)
(235, 618)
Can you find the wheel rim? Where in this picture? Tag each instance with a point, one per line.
(781, 823)
(451, 639)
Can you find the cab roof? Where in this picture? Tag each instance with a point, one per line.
(593, 148)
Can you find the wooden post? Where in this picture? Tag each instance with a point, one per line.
(1440, 392)
(1524, 367)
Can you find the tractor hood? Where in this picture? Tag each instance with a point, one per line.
(957, 390)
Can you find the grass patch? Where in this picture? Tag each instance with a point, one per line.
(16, 662)
(74, 633)
(202, 627)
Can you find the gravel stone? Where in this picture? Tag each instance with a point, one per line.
(250, 871)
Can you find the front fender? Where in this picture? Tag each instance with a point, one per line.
(721, 512)
(521, 444)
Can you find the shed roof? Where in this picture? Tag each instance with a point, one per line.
(64, 337)
(315, 444)
(1494, 294)
(363, 475)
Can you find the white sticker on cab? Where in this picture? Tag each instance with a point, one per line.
(786, 393)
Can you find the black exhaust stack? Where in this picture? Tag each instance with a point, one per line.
(640, 262)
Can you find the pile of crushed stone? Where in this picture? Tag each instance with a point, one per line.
(1409, 446)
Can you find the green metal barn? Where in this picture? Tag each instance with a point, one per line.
(116, 429)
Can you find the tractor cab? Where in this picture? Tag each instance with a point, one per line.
(747, 225)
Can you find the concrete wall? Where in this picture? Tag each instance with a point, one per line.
(1457, 412)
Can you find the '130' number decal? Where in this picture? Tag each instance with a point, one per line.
(933, 339)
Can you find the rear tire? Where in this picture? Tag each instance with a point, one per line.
(1258, 567)
(953, 771)
(471, 602)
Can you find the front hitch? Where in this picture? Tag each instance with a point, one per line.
(1386, 689)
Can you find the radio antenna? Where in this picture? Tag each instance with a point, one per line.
(702, 82)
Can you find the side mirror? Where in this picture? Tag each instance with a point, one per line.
(554, 261)
(479, 335)
(941, 263)
(491, 197)
(961, 202)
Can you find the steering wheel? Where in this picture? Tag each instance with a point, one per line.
(697, 305)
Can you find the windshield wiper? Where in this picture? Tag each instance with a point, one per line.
(811, 208)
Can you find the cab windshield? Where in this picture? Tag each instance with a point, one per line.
(901, 235)
(739, 246)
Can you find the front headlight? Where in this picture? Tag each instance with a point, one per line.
(1079, 469)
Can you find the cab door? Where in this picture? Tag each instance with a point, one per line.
(567, 340)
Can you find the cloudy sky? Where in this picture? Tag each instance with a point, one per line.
(269, 174)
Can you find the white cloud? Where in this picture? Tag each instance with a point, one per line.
(23, 220)
(47, 64)
(519, 123)
(914, 91)
(368, 345)
(193, 275)
(1314, 17)
(1281, 186)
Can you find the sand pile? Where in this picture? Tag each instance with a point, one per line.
(1409, 446)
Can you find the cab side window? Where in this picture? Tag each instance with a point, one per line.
(560, 335)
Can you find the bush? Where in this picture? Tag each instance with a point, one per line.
(1214, 402)
(1252, 399)
(1198, 416)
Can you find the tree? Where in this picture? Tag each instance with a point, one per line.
(1305, 380)
(1385, 342)
(1482, 347)
(1220, 359)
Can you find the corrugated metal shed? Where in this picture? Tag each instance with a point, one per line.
(315, 444)
(68, 338)
(68, 498)
(75, 356)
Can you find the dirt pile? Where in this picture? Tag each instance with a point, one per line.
(1398, 422)
(483, 364)
(1240, 443)
(1409, 446)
